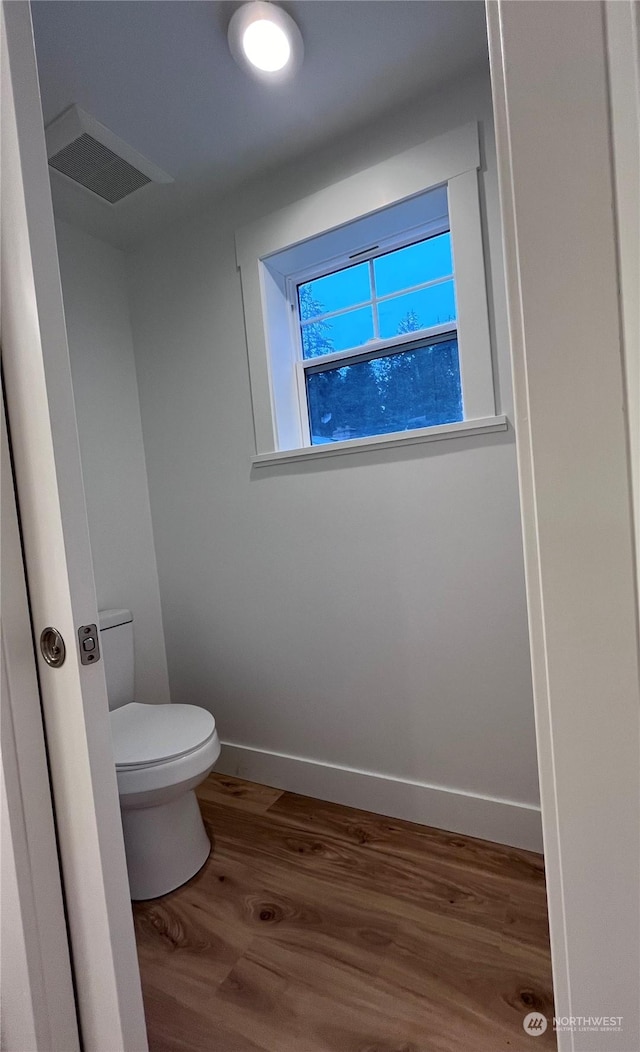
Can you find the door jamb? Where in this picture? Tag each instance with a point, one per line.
(556, 188)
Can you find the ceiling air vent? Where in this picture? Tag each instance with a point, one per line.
(82, 149)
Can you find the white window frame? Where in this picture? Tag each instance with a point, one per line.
(387, 203)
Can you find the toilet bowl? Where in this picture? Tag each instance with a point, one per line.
(161, 753)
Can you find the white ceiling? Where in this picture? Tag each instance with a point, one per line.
(159, 74)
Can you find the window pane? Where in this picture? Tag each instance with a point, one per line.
(343, 289)
(339, 333)
(413, 265)
(417, 310)
(398, 392)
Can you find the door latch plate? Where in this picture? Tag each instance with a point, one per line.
(89, 643)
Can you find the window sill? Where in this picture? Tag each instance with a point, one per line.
(463, 429)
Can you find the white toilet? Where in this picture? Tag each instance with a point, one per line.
(161, 752)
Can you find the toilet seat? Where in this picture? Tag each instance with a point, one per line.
(161, 751)
(146, 736)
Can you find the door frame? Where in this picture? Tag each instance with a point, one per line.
(551, 92)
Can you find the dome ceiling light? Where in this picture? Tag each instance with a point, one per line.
(265, 41)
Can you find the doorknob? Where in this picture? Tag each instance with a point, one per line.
(52, 646)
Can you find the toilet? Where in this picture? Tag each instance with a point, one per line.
(161, 753)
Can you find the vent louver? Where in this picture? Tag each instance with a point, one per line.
(91, 164)
(82, 149)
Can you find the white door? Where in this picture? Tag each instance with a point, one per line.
(42, 426)
(38, 1009)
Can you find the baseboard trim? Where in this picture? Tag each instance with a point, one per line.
(488, 818)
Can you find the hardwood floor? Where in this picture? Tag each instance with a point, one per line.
(318, 928)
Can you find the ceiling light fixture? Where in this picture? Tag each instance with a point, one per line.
(265, 41)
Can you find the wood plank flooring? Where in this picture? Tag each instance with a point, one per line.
(319, 928)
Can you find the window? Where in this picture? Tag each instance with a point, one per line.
(378, 343)
(366, 308)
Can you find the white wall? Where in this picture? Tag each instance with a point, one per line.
(365, 612)
(108, 413)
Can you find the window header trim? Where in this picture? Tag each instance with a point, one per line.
(428, 165)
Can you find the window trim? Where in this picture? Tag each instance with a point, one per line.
(371, 443)
(264, 252)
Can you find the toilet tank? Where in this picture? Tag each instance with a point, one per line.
(116, 644)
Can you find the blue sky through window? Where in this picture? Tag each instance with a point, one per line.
(343, 289)
(394, 272)
(340, 333)
(434, 305)
(413, 265)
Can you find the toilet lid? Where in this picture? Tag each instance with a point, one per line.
(149, 734)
